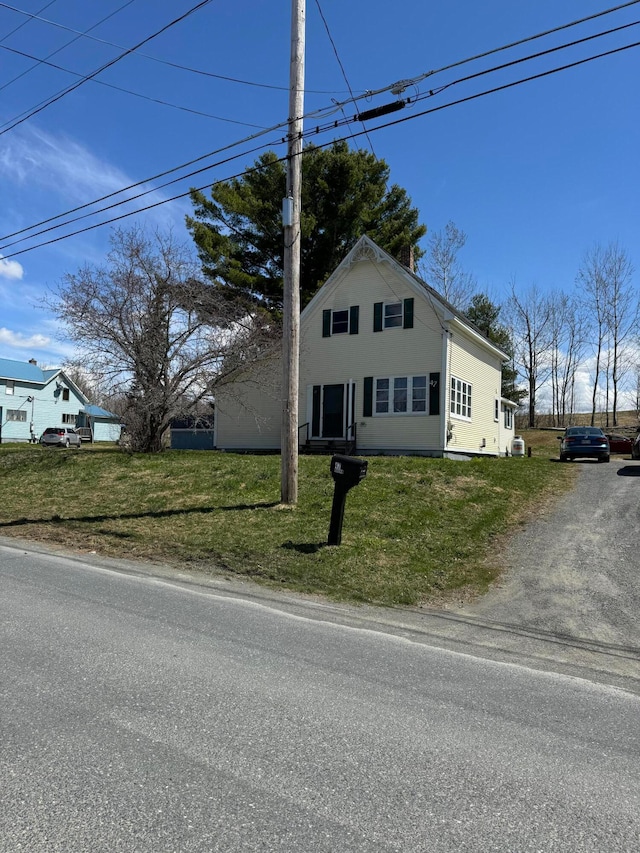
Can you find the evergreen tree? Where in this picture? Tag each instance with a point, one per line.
(345, 194)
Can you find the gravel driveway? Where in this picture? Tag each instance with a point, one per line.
(573, 575)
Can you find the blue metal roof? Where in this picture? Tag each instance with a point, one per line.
(97, 412)
(23, 371)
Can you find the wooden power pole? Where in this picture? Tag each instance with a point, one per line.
(291, 284)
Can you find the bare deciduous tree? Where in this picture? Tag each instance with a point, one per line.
(567, 329)
(443, 269)
(605, 273)
(148, 328)
(531, 314)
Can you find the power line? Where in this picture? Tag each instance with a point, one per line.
(66, 44)
(24, 23)
(318, 129)
(413, 81)
(120, 88)
(388, 124)
(177, 65)
(344, 73)
(61, 94)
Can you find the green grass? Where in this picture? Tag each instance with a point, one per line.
(415, 530)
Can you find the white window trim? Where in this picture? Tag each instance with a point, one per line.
(399, 325)
(12, 419)
(336, 311)
(508, 416)
(452, 402)
(409, 413)
(496, 410)
(10, 387)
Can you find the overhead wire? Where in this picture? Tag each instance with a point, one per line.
(24, 23)
(318, 129)
(387, 124)
(167, 62)
(39, 62)
(122, 89)
(344, 73)
(63, 92)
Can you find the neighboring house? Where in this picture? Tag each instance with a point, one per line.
(386, 364)
(32, 399)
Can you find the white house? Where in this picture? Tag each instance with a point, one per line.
(386, 366)
(32, 399)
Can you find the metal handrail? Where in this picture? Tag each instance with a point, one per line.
(302, 426)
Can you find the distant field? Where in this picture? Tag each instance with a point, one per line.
(628, 421)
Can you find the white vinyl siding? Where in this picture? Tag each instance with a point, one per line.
(470, 362)
(407, 353)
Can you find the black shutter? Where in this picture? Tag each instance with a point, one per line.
(354, 317)
(377, 316)
(434, 393)
(408, 313)
(315, 411)
(367, 405)
(326, 324)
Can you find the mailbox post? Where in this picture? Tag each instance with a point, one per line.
(347, 472)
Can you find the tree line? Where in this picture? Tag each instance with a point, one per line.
(162, 325)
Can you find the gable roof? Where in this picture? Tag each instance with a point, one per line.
(24, 371)
(366, 249)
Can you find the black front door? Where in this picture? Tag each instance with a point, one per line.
(333, 411)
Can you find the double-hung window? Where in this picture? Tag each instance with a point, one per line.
(460, 400)
(10, 387)
(401, 395)
(340, 321)
(508, 417)
(396, 314)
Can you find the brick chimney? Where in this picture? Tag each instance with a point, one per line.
(405, 256)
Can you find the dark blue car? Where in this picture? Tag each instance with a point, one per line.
(584, 443)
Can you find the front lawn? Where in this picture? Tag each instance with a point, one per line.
(415, 530)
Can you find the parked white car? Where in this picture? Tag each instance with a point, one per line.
(60, 437)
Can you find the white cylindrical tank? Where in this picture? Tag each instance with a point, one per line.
(517, 446)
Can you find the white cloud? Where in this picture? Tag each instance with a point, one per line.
(18, 341)
(10, 269)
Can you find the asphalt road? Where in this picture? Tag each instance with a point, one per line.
(143, 714)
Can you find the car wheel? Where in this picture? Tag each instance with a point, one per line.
(563, 457)
(66, 444)
(604, 459)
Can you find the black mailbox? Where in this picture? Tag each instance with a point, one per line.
(347, 472)
(348, 469)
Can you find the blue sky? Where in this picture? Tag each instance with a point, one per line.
(535, 174)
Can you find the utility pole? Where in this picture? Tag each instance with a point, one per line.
(291, 283)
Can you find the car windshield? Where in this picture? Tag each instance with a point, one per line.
(584, 431)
